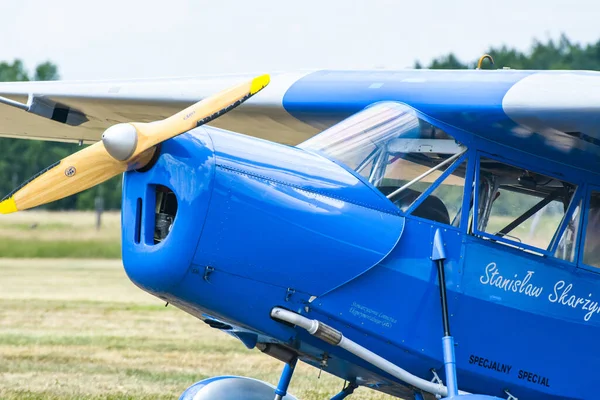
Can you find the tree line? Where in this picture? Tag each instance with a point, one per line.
(20, 159)
(552, 54)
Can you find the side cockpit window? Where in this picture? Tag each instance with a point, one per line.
(525, 209)
(437, 197)
(403, 156)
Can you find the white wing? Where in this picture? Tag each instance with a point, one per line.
(73, 111)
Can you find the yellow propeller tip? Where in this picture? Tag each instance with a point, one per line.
(259, 83)
(8, 206)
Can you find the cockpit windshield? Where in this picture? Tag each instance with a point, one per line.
(403, 156)
(393, 148)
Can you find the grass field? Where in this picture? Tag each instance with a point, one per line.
(79, 329)
(60, 235)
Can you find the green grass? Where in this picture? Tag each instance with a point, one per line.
(79, 329)
(48, 395)
(19, 248)
(38, 234)
(35, 226)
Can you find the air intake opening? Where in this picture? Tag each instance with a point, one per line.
(166, 210)
(138, 221)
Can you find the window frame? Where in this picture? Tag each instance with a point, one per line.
(549, 251)
(578, 197)
(435, 184)
(581, 235)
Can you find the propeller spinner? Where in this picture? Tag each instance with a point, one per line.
(124, 147)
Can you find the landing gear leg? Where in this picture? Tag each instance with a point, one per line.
(347, 391)
(286, 377)
(438, 255)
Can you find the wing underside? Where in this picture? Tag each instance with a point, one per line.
(81, 111)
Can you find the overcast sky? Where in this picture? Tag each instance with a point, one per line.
(142, 39)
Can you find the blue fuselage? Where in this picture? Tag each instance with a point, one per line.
(262, 225)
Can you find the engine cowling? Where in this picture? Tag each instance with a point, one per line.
(231, 388)
(255, 209)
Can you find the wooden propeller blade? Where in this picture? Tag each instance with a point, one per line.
(151, 134)
(95, 164)
(73, 174)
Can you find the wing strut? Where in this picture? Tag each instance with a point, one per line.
(13, 103)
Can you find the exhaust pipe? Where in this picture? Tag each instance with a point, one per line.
(336, 338)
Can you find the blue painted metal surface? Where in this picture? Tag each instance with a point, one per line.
(269, 218)
(251, 205)
(258, 199)
(450, 366)
(187, 167)
(286, 377)
(342, 93)
(296, 168)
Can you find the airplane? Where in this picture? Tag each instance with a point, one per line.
(423, 233)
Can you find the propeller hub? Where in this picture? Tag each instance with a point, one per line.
(120, 141)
